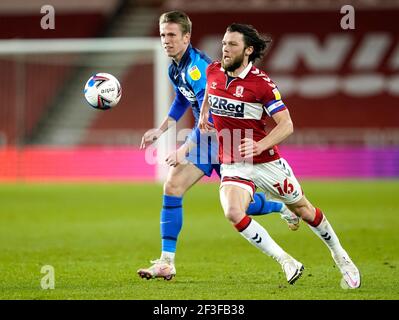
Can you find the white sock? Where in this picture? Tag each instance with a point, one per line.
(285, 211)
(260, 238)
(168, 256)
(326, 233)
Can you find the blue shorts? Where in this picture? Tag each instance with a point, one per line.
(205, 155)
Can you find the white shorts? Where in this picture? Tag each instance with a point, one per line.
(276, 178)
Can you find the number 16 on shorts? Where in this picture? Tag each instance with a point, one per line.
(287, 190)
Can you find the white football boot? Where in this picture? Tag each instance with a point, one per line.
(293, 269)
(159, 269)
(350, 273)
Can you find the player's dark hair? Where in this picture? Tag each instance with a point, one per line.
(252, 38)
(178, 17)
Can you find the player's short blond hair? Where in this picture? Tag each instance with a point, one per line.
(178, 17)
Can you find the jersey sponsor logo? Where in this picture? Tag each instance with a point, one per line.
(233, 108)
(239, 92)
(194, 73)
(189, 95)
(226, 107)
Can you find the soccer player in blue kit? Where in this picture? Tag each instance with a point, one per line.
(190, 162)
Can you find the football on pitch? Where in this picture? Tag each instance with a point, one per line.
(102, 91)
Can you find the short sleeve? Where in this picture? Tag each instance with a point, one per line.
(271, 99)
(196, 75)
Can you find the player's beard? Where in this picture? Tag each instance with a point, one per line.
(235, 64)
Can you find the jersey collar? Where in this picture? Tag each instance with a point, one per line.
(184, 58)
(244, 72)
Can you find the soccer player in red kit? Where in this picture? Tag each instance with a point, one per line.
(240, 97)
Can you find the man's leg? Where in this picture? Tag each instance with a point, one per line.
(179, 180)
(234, 200)
(319, 224)
(262, 206)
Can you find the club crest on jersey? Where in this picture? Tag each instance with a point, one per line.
(239, 92)
(194, 73)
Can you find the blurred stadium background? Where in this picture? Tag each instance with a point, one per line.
(342, 89)
(342, 86)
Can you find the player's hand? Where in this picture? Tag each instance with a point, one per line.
(150, 137)
(250, 148)
(176, 157)
(204, 124)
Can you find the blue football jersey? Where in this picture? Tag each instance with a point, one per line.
(189, 81)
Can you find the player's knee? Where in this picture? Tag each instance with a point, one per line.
(171, 188)
(306, 212)
(234, 214)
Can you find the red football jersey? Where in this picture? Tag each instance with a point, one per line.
(239, 109)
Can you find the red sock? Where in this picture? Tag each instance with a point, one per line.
(317, 219)
(243, 224)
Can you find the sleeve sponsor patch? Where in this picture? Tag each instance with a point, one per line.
(194, 73)
(277, 94)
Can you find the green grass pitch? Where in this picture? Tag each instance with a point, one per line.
(97, 235)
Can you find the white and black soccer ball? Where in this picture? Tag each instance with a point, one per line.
(102, 91)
